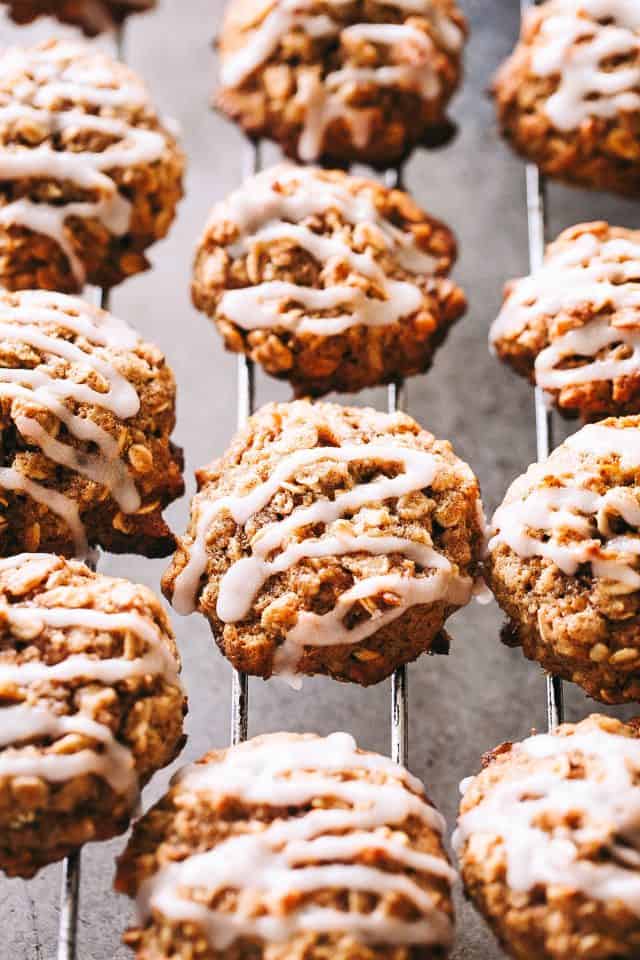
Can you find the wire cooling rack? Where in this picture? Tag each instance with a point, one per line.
(396, 400)
(537, 224)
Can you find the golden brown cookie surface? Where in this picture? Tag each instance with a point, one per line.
(563, 560)
(341, 82)
(91, 706)
(87, 410)
(569, 96)
(547, 840)
(90, 177)
(291, 843)
(330, 540)
(573, 327)
(330, 281)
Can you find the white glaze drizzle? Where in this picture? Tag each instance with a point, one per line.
(585, 274)
(28, 321)
(263, 209)
(22, 724)
(324, 98)
(608, 800)
(244, 580)
(574, 45)
(69, 72)
(298, 854)
(569, 523)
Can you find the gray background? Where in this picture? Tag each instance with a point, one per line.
(483, 693)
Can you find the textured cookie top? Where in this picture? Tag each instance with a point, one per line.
(94, 16)
(579, 314)
(70, 119)
(336, 47)
(564, 809)
(580, 509)
(318, 252)
(87, 411)
(287, 838)
(72, 643)
(391, 511)
(589, 52)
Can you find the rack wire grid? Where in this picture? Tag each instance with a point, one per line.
(396, 400)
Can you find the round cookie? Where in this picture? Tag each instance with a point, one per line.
(93, 16)
(290, 845)
(569, 96)
(330, 281)
(548, 843)
(573, 326)
(89, 176)
(354, 82)
(91, 706)
(87, 410)
(563, 561)
(332, 540)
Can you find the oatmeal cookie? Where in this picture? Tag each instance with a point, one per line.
(569, 96)
(564, 560)
(90, 706)
(358, 82)
(331, 540)
(329, 851)
(87, 410)
(548, 843)
(93, 16)
(330, 281)
(573, 326)
(89, 176)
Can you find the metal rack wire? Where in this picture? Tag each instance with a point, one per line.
(71, 867)
(537, 228)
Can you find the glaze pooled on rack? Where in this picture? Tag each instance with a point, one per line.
(573, 327)
(88, 410)
(569, 96)
(91, 707)
(564, 560)
(292, 839)
(341, 82)
(548, 842)
(93, 16)
(330, 281)
(329, 539)
(90, 177)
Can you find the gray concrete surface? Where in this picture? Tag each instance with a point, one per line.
(483, 693)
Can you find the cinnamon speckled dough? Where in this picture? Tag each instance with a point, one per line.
(91, 706)
(332, 540)
(86, 415)
(93, 16)
(579, 811)
(563, 562)
(572, 327)
(569, 96)
(331, 850)
(89, 176)
(330, 281)
(354, 82)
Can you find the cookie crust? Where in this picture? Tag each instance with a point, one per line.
(90, 177)
(573, 327)
(345, 856)
(92, 16)
(91, 706)
(556, 797)
(341, 83)
(329, 281)
(87, 410)
(568, 98)
(563, 561)
(328, 539)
